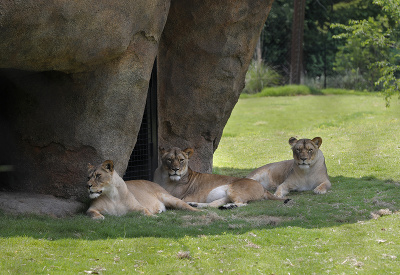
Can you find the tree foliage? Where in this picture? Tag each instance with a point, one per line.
(319, 46)
(372, 45)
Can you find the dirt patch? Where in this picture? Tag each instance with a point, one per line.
(206, 219)
(263, 220)
(211, 217)
(28, 203)
(381, 212)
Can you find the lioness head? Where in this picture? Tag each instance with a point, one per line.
(99, 178)
(305, 151)
(175, 161)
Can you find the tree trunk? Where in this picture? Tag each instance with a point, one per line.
(258, 52)
(296, 62)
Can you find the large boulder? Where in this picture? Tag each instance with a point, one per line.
(73, 84)
(74, 78)
(205, 51)
(77, 36)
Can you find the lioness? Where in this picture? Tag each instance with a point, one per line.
(306, 171)
(113, 196)
(202, 190)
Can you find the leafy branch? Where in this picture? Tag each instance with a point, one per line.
(380, 34)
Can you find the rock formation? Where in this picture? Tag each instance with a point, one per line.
(205, 51)
(74, 82)
(74, 78)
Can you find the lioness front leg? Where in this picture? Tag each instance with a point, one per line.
(282, 190)
(322, 188)
(198, 204)
(215, 203)
(172, 202)
(231, 205)
(94, 214)
(144, 210)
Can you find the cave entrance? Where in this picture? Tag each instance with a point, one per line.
(144, 158)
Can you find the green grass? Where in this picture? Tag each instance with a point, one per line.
(321, 234)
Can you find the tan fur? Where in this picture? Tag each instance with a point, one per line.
(204, 190)
(306, 171)
(113, 196)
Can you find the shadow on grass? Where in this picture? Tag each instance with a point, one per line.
(350, 200)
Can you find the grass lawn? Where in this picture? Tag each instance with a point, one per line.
(322, 234)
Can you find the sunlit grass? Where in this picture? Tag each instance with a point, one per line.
(360, 135)
(331, 233)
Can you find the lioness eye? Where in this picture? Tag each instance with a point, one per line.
(169, 160)
(181, 160)
(98, 176)
(310, 150)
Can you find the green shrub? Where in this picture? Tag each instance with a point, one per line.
(296, 90)
(339, 91)
(260, 76)
(353, 79)
(350, 80)
(287, 90)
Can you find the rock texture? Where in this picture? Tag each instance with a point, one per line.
(74, 78)
(76, 36)
(78, 85)
(205, 51)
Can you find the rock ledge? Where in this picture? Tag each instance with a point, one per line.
(28, 203)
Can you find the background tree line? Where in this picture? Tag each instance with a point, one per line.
(342, 40)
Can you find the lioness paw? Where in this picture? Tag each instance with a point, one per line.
(320, 190)
(279, 194)
(227, 206)
(193, 204)
(98, 217)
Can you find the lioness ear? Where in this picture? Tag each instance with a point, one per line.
(162, 150)
(108, 165)
(189, 152)
(292, 141)
(317, 141)
(89, 166)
